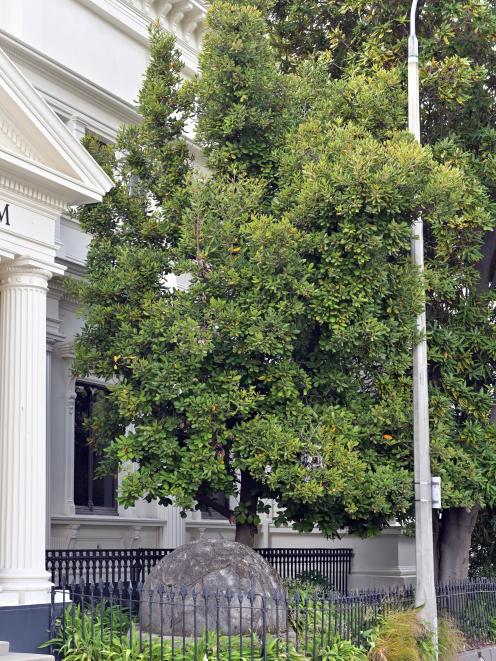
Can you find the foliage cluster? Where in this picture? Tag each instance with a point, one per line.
(457, 57)
(283, 371)
(400, 637)
(458, 102)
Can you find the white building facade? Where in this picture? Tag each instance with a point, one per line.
(68, 67)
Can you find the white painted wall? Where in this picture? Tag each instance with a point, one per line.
(76, 36)
(103, 41)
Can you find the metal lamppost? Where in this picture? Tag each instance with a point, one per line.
(425, 593)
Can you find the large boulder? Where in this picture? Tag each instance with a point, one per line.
(209, 584)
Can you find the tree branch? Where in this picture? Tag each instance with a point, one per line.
(214, 505)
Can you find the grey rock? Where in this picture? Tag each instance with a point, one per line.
(210, 584)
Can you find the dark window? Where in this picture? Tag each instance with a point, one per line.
(91, 493)
(210, 513)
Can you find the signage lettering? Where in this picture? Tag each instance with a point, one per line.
(4, 215)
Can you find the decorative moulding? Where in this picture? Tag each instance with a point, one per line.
(16, 141)
(63, 169)
(183, 18)
(66, 350)
(60, 75)
(25, 268)
(57, 289)
(105, 520)
(31, 196)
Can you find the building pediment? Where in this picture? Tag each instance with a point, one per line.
(11, 140)
(40, 159)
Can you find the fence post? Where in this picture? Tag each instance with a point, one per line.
(51, 618)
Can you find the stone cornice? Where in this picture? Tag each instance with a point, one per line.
(57, 288)
(30, 196)
(53, 339)
(52, 70)
(102, 520)
(183, 18)
(77, 271)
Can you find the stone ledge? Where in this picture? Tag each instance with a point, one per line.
(21, 656)
(26, 656)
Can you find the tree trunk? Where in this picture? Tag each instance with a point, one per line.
(455, 535)
(245, 534)
(248, 497)
(487, 265)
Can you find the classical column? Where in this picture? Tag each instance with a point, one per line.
(49, 350)
(174, 530)
(23, 295)
(66, 352)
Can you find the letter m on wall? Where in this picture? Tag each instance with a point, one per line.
(4, 215)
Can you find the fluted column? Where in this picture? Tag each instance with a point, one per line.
(174, 532)
(66, 352)
(23, 295)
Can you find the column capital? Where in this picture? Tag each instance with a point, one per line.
(27, 272)
(66, 350)
(53, 339)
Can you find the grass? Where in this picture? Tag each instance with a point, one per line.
(450, 639)
(398, 637)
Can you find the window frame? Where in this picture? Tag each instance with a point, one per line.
(91, 509)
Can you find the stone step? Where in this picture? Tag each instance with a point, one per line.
(21, 656)
(28, 656)
(482, 654)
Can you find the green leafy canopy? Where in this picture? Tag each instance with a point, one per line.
(283, 370)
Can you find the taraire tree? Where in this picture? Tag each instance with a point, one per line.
(458, 104)
(283, 371)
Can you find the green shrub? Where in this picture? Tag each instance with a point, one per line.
(109, 635)
(308, 581)
(98, 636)
(342, 650)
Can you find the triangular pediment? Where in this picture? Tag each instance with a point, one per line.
(11, 140)
(36, 146)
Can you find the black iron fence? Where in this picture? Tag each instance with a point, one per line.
(334, 565)
(182, 624)
(471, 605)
(110, 566)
